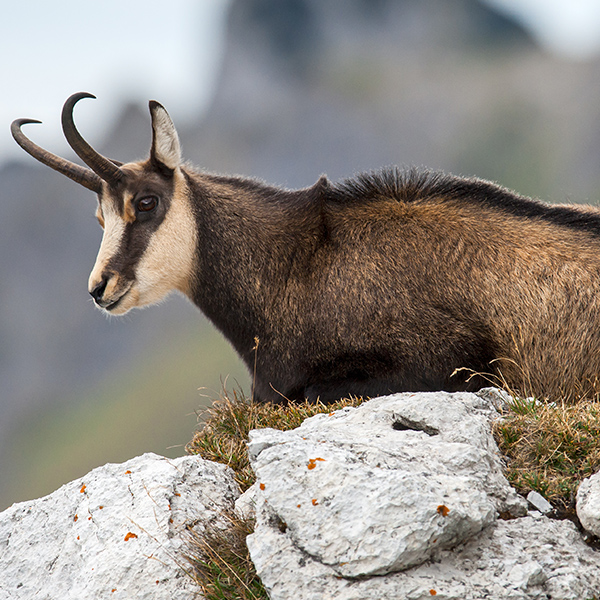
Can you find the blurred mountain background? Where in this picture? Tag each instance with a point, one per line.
(305, 87)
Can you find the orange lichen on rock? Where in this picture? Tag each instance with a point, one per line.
(312, 462)
(443, 510)
(82, 489)
(130, 536)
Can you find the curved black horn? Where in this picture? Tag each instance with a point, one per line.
(103, 167)
(75, 172)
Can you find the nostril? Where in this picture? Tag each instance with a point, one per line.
(98, 291)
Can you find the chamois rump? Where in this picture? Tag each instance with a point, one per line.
(385, 282)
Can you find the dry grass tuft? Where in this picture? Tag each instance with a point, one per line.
(551, 446)
(221, 562)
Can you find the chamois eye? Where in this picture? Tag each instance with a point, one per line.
(147, 203)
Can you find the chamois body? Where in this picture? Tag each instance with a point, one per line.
(389, 282)
(382, 283)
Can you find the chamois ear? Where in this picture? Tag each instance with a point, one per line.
(166, 151)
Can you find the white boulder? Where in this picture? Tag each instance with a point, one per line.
(118, 532)
(521, 559)
(408, 486)
(398, 498)
(378, 488)
(588, 504)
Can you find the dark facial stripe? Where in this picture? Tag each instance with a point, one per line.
(134, 243)
(138, 232)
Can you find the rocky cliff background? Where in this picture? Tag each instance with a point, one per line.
(306, 87)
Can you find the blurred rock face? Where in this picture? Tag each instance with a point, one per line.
(454, 86)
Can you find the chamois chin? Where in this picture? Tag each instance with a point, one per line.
(389, 281)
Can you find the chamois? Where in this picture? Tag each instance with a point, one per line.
(385, 282)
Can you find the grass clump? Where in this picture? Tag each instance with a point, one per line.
(221, 562)
(219, 556)
(550, 446)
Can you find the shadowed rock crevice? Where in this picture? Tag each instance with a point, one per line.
(403, 424)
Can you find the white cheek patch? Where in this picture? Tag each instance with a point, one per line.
(114, 228)
(168, 262)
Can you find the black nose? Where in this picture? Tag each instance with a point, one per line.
(98, 291)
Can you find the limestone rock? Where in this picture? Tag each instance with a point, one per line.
(407, 488)
(526, 558)
(245, 505)
(398, 498)
(380, 488)
(115, 533)
(588, 504)
(539, 502)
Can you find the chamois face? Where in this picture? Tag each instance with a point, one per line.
(149, 240)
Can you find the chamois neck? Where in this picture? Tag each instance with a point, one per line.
(254, 240)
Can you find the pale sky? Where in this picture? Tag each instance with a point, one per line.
(167, 51)
(570, 28)
(115, 49)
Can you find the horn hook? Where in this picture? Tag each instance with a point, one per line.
(77, 173)
(103, 167)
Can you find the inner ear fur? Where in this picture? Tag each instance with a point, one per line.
(165, 153)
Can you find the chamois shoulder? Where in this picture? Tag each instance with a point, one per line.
(414, 185)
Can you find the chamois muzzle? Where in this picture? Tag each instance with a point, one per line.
(77, 173)
(98, 291)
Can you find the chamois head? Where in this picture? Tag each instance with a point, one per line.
(148, 244)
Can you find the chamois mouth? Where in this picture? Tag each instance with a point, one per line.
(113, 303)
